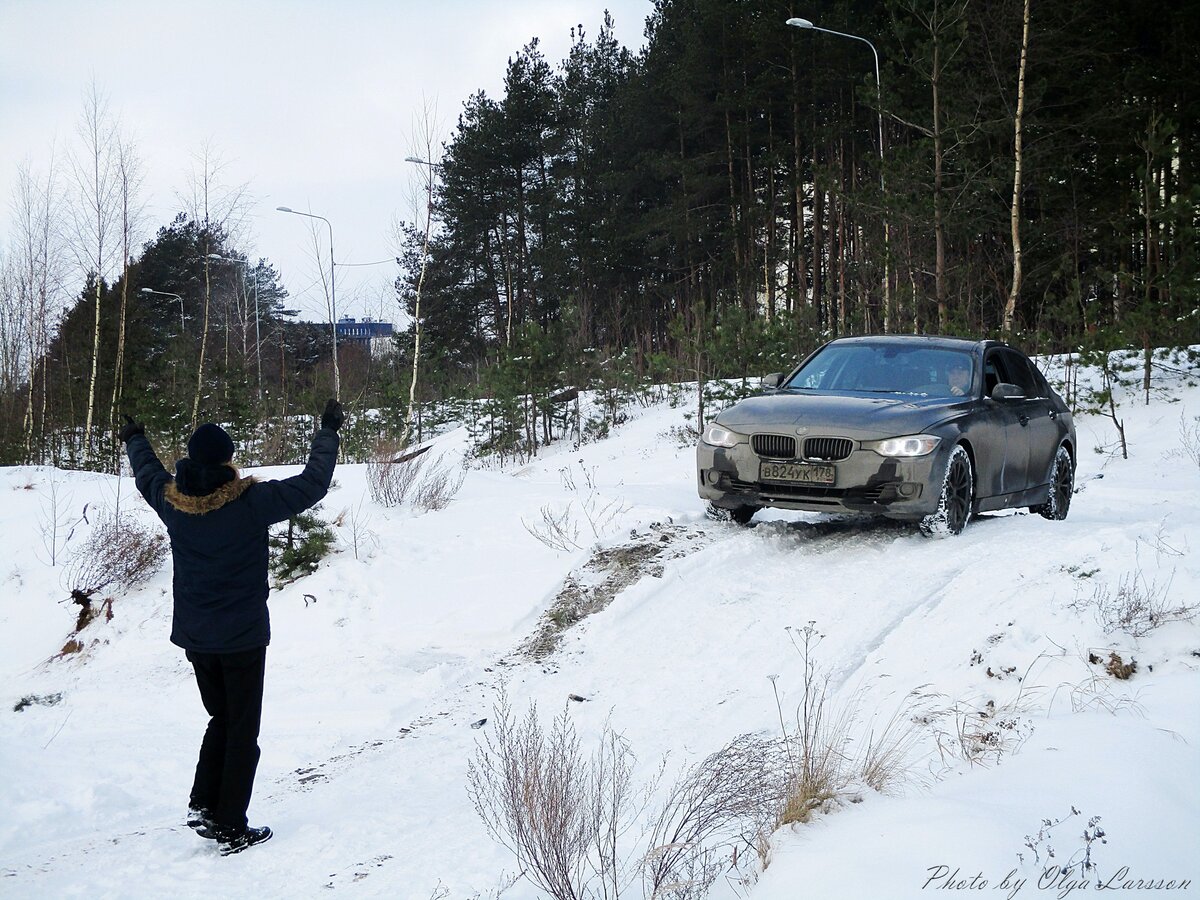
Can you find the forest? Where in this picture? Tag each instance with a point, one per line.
(712, 206)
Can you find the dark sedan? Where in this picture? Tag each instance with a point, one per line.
(925, 429)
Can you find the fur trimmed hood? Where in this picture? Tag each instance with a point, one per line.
(206, 503)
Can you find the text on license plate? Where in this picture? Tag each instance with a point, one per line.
(797, 472)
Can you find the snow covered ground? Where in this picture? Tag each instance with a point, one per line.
(380, 665)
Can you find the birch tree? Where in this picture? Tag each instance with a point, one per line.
(36, 268)
(1010, 308)
(12, 344)
(129, 178)
(95, 211)
(218, 208)
(425, 141)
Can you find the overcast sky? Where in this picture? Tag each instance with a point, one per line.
(312, 103)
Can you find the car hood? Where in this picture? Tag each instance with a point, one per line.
(850, 415)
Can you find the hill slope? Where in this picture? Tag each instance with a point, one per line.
(380, 665)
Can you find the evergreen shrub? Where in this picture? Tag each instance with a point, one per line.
(297, 549)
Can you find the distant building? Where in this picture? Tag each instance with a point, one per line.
(375, 336)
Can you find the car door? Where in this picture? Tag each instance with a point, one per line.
(1010, 417)
(1042, 429)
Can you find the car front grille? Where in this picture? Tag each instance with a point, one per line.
(774, 446)
(829, 449)
(884, 493)
(784, 491)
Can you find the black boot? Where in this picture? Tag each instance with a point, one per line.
(199, 818)
(235, 840)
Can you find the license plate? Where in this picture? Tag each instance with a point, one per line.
(801, 473)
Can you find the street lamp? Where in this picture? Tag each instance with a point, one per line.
(257, 341)
(182, 327)
(337, 380)
(887, 288)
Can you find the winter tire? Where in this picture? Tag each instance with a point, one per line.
(739, 514)
(743, 514)
(958, 494)
(1062, 486)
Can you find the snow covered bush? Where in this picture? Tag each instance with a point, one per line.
(980, 734)
(120, 552)
(355, 524)
(392, 473)
(396, 475)
(824, 768)
(559, 529)
(437, 486)
(558, 811)
(569, 817)
(1138, 605)
(721, 811)
(1189, 438)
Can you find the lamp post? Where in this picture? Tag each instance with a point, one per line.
(182, 327)
(887, 287)
(337, 380)
(257, 343)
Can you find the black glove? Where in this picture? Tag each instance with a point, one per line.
(333, 417)
(130, 428)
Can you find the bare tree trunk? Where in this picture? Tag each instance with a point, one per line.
(217, 208)
(798, 165)
(129, 173)
(1010, 308)
(940, 21)
(96, 187)
(13, 343)
(427, 137)
(203, 333)
(841, 270)
(912, 281)
(818, 258)
(1151, 190)
(939, 228)
(37, 271)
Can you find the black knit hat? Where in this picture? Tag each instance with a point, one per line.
(210, 445)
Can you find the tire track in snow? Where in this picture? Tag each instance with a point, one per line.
(945, 564)
(585, 590)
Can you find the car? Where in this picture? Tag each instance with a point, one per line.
(924, 429)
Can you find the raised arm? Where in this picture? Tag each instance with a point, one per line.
(148, 473)
(275, 501)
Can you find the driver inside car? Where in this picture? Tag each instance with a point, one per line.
(959, 377)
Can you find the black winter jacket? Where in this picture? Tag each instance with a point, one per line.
(219, 544)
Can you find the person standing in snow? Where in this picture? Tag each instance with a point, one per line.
(218, 522)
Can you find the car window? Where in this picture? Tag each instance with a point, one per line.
(994, 372)
(887, 367)
(1020, 372)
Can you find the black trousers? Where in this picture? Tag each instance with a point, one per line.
(231, 687)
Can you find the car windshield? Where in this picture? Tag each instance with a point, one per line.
(886, 367)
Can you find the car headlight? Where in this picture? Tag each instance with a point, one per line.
(909, 445)
(718, 436)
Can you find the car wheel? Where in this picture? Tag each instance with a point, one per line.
(739, 514)
(1062, 486)
(954, 503)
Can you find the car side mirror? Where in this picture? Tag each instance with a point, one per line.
(1004, 391)
(772, 380)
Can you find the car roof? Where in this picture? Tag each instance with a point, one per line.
(932, 340)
